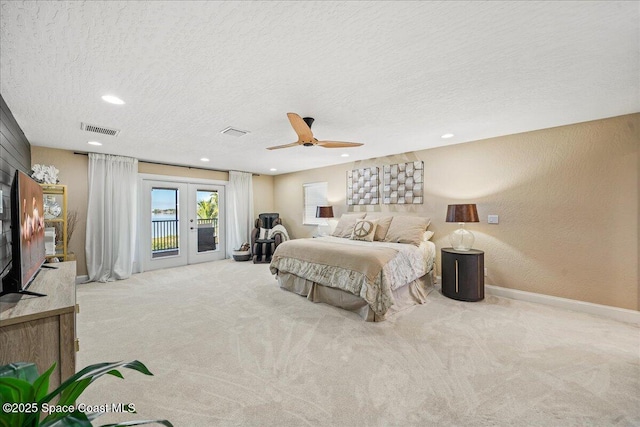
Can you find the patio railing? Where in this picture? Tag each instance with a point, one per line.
(164, 233)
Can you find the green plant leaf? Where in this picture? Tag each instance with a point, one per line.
(21, 391)
(41, 384)
(95, 371)
(68, 397)
(71, 393)
(13, 390)
(21, 370)
(90, 373)
(136, 365)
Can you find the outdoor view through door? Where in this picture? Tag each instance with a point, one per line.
(183, 223)
(207, 211)
(165, 233)
(165, 221)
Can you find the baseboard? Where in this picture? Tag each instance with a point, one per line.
(82, 279)
(615, 313)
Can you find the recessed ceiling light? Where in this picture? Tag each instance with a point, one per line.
(112, 99)
(447, 136)
(273, 169)
(94, 143)
(344, 155)
(204, 159)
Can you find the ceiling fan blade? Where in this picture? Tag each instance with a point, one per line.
(293, 144)
(301, 128)
(338, 144)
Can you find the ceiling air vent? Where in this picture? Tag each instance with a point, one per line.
(234, 132)
(99, 129)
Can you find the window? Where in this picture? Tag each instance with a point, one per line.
(315, 194)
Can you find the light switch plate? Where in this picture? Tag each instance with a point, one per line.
(492, 219)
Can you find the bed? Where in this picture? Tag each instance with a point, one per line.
(375, 275)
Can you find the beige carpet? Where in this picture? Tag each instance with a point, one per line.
(229, 348)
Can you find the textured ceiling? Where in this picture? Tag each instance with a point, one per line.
(393, 75)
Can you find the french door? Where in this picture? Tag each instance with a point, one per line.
(182, 223)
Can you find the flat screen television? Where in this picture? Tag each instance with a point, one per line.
(27, 235)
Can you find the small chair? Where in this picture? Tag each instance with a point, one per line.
(263, 247)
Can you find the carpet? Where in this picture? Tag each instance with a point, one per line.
(228, 347)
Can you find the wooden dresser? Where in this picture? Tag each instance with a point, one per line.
(42, 330)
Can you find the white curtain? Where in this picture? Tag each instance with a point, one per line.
(111, 217)
(239, 210)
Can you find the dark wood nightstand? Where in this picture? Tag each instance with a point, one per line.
(462, 274)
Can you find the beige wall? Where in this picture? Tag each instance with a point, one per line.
(567, 198)
(73, 173)
(263, 194)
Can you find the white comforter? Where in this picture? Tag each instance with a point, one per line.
(410, 263)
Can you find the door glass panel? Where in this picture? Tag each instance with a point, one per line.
(207, 213)
(165, 228)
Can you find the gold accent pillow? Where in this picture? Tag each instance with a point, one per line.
(364, 229)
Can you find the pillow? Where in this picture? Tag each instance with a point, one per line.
(427, 236)
(263, 233)
(383, 224)
(407, 229)
(364, 229)
(346, 223)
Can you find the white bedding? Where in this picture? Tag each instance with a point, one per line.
(409, 264)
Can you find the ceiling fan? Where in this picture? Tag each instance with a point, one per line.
(302, 126)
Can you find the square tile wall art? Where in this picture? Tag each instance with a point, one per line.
(403, 183)
(363, 186)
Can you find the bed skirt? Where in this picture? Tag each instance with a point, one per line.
(414, 293)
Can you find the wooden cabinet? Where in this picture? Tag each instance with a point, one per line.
(56, 195)
(42, 330)
(463, 274)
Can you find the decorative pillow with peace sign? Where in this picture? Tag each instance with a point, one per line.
(365, 229)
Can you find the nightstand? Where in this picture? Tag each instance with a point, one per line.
(462, 274)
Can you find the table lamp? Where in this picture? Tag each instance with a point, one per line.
(324, 212)
(462, 239)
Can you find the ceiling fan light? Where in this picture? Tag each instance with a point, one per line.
(302, 127)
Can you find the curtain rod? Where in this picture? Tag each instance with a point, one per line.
(174, 165)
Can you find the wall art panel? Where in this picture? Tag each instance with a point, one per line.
(403, 183)
(363, 186)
